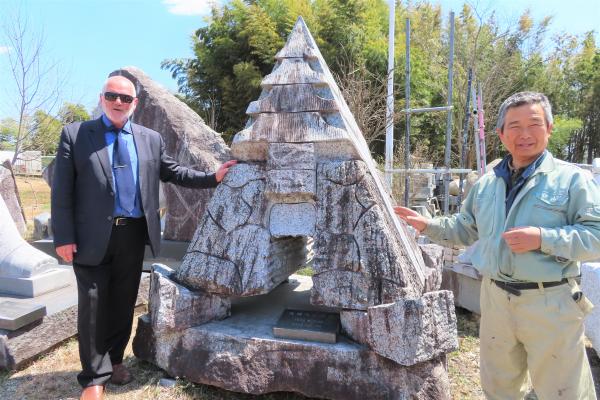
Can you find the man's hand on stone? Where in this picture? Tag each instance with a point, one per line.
(523, 239)
(412, 218)
(223, 169)
(66, 252)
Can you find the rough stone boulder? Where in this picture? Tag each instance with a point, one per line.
(10, 194)
(408, 331)
(174, 307)
(188, 140)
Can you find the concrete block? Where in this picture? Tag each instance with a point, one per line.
(590, 286)
(36, 285)
(292, 220)
(464, 282)
(14, 315)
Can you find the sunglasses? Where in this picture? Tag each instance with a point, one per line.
(111, 96)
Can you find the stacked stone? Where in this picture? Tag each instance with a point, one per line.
(305, 172)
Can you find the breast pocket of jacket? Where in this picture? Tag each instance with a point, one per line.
(550, 207)
(484, 210)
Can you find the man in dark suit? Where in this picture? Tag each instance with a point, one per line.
(104, 210)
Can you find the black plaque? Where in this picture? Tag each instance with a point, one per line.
(316, 326)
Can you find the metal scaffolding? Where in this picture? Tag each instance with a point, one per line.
(389, 138)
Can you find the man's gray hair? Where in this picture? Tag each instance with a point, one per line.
(522, 98)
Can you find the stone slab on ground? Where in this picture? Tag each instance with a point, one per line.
(15, 315)
(465, 283)
(241, 354)
(25, 344)
(590, 286)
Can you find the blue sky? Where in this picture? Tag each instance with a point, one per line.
(90, 38)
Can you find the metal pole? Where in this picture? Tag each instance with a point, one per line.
(481, 131)
(475, 106)
(407, 106)
(389, 111)
(449, 117)
(465, 137)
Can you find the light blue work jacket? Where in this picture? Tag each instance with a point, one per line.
(560, 198)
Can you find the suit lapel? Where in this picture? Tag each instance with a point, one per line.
(142, 149)
(98, 142)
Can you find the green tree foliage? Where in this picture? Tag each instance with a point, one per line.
(70, 112)
(46, 128)
(237, 48)
(45, 134)
(8, 132)
(561, 136)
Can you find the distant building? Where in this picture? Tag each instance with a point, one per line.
(28, 162)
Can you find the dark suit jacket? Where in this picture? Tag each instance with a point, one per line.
(83, 190)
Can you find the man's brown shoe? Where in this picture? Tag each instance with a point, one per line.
(95, 392)
(120, 375)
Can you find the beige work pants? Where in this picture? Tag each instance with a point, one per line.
(540, 331)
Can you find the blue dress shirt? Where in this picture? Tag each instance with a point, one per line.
(110, 138)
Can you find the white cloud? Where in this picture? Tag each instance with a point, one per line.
(189, 7)
(4, 49)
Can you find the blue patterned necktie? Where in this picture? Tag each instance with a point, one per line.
(123, 173)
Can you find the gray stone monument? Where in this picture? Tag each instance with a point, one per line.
(305, 172)
(25, 270)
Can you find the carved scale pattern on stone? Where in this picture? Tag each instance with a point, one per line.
(306, 172)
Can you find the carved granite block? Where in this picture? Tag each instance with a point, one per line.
(411, 331)
(229, 209)
(287, 98)
(355, 325)
(292, 220)
(305, 171)
(290, 186)
(293, 70)
(174, 307)
(340, 250)
(291, 156)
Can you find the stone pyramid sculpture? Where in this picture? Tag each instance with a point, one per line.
(305, 176)
(305, 172)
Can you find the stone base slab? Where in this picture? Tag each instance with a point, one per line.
(241, 354)
(37, 285)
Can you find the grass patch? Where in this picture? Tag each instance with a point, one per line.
(306, 271)
(34, 193)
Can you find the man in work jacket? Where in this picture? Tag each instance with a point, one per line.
(536, 218)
